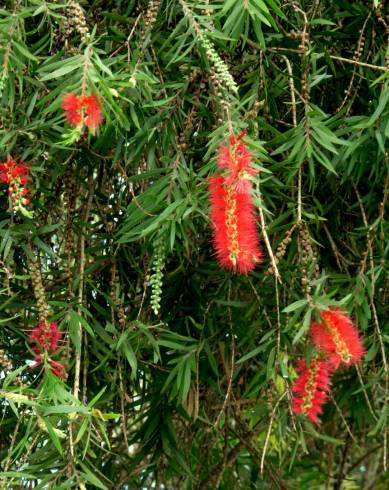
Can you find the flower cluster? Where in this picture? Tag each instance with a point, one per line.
(338, 342)
(84, 109)
(16, 176)
(46, 337)
(232, 211)
(338, 338)
(311, 388)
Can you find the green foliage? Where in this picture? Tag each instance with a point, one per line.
(179, 373)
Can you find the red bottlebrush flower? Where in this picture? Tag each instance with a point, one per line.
(55, 336)
(311, 388)
(84, 109)
(232, 211)
(93, 111)
(234, 227)
(46, 337)
(57, 368)
(71, 104)
(16, 176)
(338, 337)
(23, 180)
(14, 172)
(236, 158)
(20, 169)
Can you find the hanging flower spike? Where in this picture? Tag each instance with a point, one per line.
(236, 158)
(71, 104)
(234, 227)
(311, 388)
(16, 176)
(57, 368)
(85, 109)
(232, 211)
(92, 111)
(10, 171)
(55, 335)
(47, 338)
(338, 337)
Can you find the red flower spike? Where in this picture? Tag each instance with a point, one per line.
(236, 158)
(232, 211)
(16, 176)
(23, 179)
(55, 335)
(93, 111)
(84, 109)
(234, 139)
(57, 368)
(234, 227)
(47, 338)
(224, 158)
(338, 337)
(311, 388)
(71, 104)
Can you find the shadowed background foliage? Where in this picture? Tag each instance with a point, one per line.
(178, 373)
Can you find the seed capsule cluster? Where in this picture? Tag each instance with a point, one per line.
(6, 367)
(115, 288)
(3, 80)
(385, 23)
(184, 139)
(151, 14)
(308, 256)
(281, 249)
(39, 292)
(158, 265)
(5, 363)
(75, 21)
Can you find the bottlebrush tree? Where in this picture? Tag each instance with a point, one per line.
(193, 244)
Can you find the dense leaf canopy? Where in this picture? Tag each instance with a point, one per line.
(170, 371)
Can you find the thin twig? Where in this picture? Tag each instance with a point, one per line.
(376, 322)
(359, 63)
(232, 365)
(76, 386)
(268, 246)
(273, 414)
(230, 378)
(358, 54)
(12, 445)
(365, 392)
(292, 90)
(337, 254)
(333, 57)
(122, 408)
(343, 419)
(294, 118)
(278, 317)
